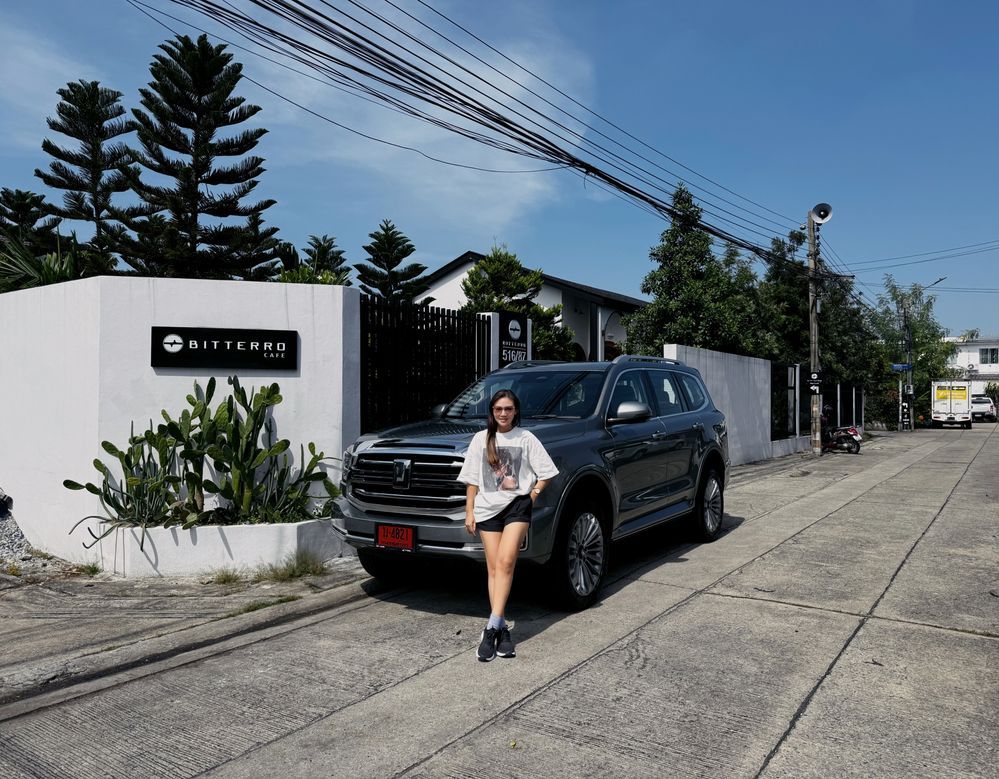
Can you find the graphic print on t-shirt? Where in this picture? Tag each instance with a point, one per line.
(503, 475)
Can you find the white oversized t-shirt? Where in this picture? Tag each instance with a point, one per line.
(522, 462)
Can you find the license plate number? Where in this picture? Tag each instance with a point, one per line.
(395, 537)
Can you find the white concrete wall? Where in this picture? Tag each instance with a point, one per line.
(175, 552)
(576, 315)
(740, 388)
(76, 372)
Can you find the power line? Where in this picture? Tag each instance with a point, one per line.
(994, 242)
(599, 116)
(410, 81)
(143, 9)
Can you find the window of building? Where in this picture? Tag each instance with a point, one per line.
(988, 356)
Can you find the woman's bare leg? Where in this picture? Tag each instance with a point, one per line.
(501, 559)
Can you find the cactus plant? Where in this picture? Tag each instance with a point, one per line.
(163, 479)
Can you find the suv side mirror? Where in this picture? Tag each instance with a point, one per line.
(438, 411)
(630, 411)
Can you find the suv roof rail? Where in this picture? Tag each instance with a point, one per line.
(643, 358)
(530, 364)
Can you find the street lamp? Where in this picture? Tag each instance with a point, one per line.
(818, 215)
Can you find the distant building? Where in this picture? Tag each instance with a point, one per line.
(594, 315)
(978, 360)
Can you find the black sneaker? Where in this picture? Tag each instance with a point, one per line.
(504, 644)
(487, 647)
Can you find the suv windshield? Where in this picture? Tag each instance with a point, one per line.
(554, 393)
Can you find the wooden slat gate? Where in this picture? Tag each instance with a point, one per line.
(414, 357)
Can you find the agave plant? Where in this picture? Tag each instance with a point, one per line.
(144, 495)
(20, 269)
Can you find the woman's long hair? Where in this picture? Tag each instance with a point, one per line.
(492, 425)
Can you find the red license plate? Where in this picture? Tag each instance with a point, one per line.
(395, 537)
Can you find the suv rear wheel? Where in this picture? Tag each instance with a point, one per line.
(579, 560)
(709, 510)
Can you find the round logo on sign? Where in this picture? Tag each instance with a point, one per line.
(173, 343)
(514, 329)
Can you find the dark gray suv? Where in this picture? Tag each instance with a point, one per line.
(637, 441)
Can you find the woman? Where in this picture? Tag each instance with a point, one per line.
(505, 470)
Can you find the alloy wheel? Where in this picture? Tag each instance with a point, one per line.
(712, 503)
(586, 554)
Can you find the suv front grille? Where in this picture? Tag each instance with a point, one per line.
(429, 481)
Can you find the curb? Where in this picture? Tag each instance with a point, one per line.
(60, 679)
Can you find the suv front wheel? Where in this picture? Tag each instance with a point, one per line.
(579, 560)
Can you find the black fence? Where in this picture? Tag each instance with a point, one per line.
(414, 357)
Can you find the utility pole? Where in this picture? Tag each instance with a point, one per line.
(818, 215)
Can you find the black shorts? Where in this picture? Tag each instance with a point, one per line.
(519, 510)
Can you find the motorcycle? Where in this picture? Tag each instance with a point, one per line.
(842, 439)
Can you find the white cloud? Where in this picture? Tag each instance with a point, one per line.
(33, 69)
(474, 200)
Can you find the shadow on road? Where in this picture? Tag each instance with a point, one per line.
(459, 586)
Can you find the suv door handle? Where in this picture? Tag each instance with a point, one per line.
(698, 427)
(660, 436)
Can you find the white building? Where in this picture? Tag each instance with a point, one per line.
(594, 315)
(978, 360)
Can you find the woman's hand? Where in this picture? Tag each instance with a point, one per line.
(470, 523)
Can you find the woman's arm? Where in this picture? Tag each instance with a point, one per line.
(470, 492)
(538, 488)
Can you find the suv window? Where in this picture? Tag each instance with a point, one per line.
(629, 387)
(541, 393)
(664, 387)
(696, 397)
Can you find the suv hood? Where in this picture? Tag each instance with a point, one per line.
(456, 434)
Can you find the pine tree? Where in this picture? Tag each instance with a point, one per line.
(25, 221)
(324, 255)
(499, 282)
(90, 174)
(382, 276)
(189, 102)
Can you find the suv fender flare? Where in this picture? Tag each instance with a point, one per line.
(587, 472)
(714, 455)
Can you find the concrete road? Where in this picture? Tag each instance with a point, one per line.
(846, 624)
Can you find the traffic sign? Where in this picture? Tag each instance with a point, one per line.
(900, 367)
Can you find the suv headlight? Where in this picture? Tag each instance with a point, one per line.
(348, 459)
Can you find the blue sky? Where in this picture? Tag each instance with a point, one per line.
(886, 110)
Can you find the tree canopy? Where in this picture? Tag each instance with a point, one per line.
(499, 282)
(698, 299)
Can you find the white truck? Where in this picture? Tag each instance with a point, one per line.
(951, 402)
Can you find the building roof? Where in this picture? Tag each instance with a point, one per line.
(602, 296)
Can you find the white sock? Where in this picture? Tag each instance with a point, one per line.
(496, 623)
